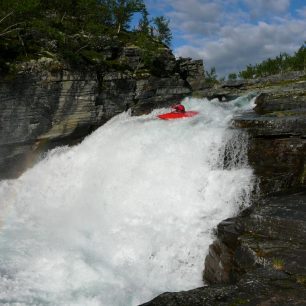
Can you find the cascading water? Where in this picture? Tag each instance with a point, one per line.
(125, 215)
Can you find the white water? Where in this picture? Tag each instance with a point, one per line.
(125, 215)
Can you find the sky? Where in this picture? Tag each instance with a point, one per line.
(230, 34)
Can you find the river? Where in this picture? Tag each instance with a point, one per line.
(125, 215)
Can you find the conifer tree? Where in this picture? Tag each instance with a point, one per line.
(14, 13)
(232, 76)
(144, 23)
(162, 29)
(120, 12)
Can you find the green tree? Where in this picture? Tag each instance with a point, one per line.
(144, 23)
(211, 76)
(280, 64)
(248, 73)
(299, 58)
(120, 12)
(18, 7)
(162, 29)
(14, 14)
(232, 76)
(6, 29)
(76, 8)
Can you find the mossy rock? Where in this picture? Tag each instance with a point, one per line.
(238, 302)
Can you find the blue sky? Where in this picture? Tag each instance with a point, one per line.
(230, 34)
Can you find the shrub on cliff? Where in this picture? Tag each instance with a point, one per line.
(211, 77)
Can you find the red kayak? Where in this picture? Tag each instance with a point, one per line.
(175, 115)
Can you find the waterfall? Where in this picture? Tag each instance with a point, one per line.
(125, 215)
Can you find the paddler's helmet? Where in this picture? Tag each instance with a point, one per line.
(179, 108)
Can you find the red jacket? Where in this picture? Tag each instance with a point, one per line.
(178, 108)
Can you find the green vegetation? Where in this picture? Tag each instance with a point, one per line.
(280, 64)
(303, 175)
(162, 29)
(77, 31)
(232, 76)
(301, 279)
(278, 264)
(239, 301)
(211, 76)
(286, 113)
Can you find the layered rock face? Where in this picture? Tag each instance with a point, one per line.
(259, 257)
(47, 104)
(193, 72)
(41, 108)
(235, 88)
(278, 146)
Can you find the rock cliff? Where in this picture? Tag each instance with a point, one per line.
(47, 103)
(258, 257)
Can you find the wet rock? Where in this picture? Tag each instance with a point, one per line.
(267, 262)
(277, 148)
(278, 163)
(271, 125)
(219, 261)
(234, 83)
(291, 99)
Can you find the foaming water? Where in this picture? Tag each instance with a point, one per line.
(125, 215)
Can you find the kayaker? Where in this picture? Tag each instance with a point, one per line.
(178, 108)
